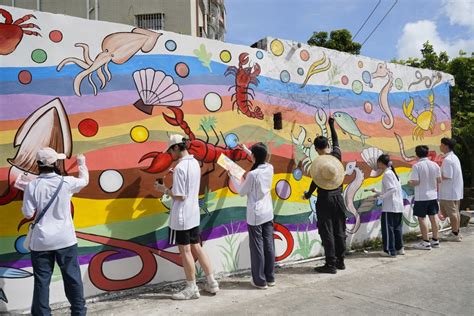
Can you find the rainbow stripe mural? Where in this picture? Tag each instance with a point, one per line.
(114, 93)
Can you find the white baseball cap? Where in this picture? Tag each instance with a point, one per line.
(48, 156)
(174, 140)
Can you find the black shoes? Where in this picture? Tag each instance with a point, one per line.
(326, 269)
(340, 265)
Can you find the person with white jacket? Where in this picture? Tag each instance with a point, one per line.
(392, 208)
(257, 187)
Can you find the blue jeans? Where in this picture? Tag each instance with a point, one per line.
(43, 265)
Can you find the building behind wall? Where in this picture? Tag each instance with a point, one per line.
(202, 18)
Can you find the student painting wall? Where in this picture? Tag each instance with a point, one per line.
(114, 93)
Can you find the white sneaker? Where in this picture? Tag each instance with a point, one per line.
(258, 286)
(387, 255)
(423, 245)
(401, 252)
(189, 293)
(212, 288)
(452, 237)
(434, 243)
(271, 284)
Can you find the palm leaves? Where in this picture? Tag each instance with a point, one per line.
(203, 56)
(207, 123)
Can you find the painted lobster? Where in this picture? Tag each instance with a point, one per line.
(244, 76)
(202, 150)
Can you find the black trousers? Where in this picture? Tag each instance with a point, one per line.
(262, 253)
(330, 211)
(392, 234)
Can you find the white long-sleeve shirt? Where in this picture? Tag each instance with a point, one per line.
(56, 229)
(257, 186)
(391, 195)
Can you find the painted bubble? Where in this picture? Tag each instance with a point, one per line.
(367, 77)
(231, 140)
(170, 45)
(139, 134)
(304, 55)
(259, 54)
(360, 64)
(19, 245)
(297, 174)
(300, 71)
(344, 80)
(368, 107)
(88, 127)
(277, 48)
(110, 181)
(56, 36)
(285, 76)
(442, 126)
(212, 102)
(283, 189)
(182, 70)
(39, 56)
(225, 56)
(24, 77)
(398, 84)
(357, 87)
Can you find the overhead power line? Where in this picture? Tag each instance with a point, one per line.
(367, 19)
(380, 22)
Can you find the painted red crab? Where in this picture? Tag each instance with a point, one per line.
(11, 32)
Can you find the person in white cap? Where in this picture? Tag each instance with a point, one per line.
(53, 237)
(185, 218)
(328, 174)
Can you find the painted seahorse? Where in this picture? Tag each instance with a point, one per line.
(382, 72)
(350, 192)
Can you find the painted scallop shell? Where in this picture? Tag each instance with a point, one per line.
(156, 88)
(370, 156)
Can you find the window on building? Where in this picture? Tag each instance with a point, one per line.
(154, 21)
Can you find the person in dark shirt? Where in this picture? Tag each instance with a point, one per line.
(330, 210)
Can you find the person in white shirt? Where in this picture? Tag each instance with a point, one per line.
(257, 187)
(53, 237)
(425, 177)
(392, 208)
(451, 189)
(185, 218)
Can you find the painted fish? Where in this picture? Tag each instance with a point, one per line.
(348, 125)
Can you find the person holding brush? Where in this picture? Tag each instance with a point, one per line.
(257, 187)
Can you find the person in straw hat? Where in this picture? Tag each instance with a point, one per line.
(328, 173)
(185, 218)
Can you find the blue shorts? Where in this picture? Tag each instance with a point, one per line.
(423, 208)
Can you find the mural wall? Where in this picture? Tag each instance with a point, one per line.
(114, 93)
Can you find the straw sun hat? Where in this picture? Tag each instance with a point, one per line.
(327, 172)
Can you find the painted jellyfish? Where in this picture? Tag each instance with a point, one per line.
(367, 78)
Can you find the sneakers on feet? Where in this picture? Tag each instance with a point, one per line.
(434, 243)
(326, 269)
(452, 237)
(423, 245)
(340, 265)
(189, 293)
(401, 252)
(212, 288)
(258, 286)
(271, 284)
(388, 255)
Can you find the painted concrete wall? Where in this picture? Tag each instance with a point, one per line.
(113, 93)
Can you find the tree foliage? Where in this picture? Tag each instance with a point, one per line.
(461, 99)
(340, 40)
